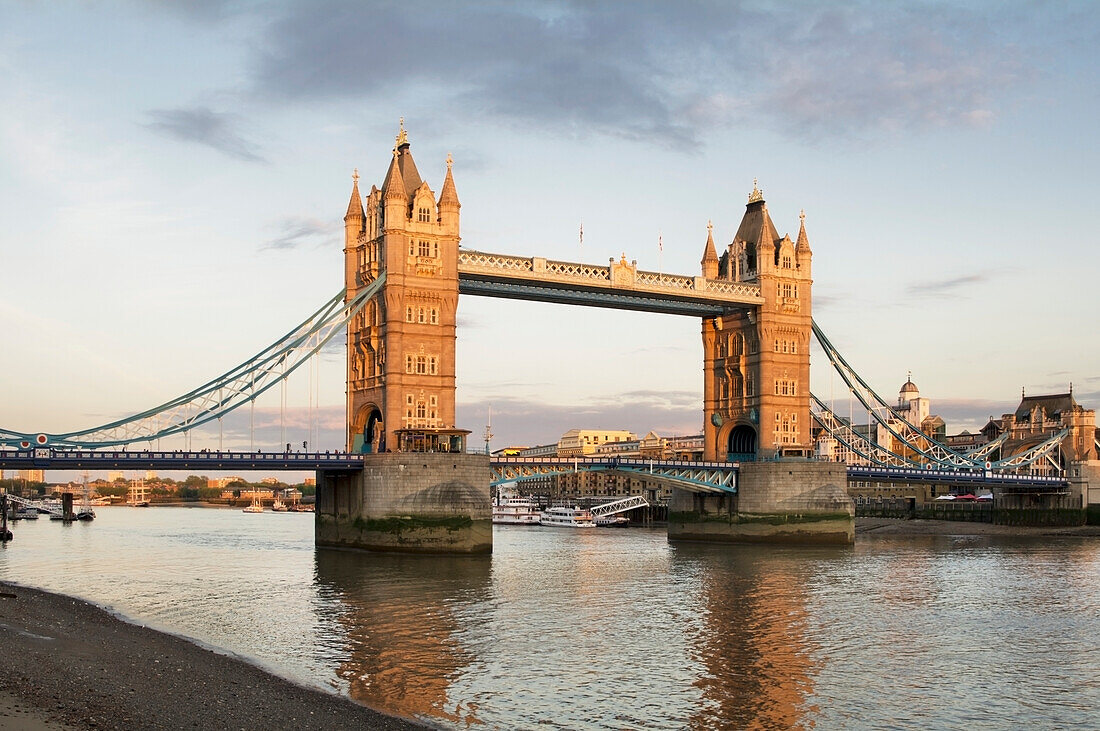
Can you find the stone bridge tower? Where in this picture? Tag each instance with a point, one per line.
(401, 345)
(756, 392)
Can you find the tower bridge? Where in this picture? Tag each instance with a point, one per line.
(406, 480)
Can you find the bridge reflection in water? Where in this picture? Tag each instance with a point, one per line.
(576, 631)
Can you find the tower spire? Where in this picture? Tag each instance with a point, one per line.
(803, 245)
(355, 205)
(710, 255)
(393, 188)
(449, 196)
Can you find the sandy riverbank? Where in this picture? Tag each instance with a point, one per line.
(66, 664)
(898, 527)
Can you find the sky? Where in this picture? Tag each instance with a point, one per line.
(173, 178)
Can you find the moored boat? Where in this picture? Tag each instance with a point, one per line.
(567, 518)
(512, 510)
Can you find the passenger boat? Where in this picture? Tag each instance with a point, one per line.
(512, 510)
(567, 518)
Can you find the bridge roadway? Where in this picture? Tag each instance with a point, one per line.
(697, 476)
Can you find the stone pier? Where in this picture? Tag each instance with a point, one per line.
(417, 502)
(786, 501)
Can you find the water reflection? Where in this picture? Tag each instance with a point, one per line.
(751, 637)
(401, 627)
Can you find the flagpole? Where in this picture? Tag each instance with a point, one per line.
(580, 242)
(660, 256)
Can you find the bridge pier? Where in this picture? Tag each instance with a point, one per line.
(416, 502)
(785, 501)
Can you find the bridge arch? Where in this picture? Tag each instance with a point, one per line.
(741, 443)
(367, 433)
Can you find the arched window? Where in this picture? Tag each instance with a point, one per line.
(424, 215)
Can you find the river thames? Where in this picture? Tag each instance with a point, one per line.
(611, 628)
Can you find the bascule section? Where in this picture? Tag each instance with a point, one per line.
(418, 491)
(756, 390)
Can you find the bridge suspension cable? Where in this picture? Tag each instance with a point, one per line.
(234, 388)
(909, 435)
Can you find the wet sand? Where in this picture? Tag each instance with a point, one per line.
(899, 527)
(67, 664)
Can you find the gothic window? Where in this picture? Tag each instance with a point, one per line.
(795, 291)
(409, 314)
(794, 346)
(750, 386)
(421, 316)
(412, 248)
(785, 346)
(786, 262)
(777, 345)
(435, 249)
(425, 248)
(421, 410)
(433, 404)
(424, 215)
(421, 364)
(433, 364)
(408, 364)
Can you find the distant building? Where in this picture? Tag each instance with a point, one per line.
(219, 482)
(32, 475)
(1038, 418)
(583, 442)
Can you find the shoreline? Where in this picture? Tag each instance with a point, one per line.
(69, 664)
(920, 527)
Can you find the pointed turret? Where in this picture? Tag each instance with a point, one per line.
(803, 246)
(393, 187)
(448, 201)
(448, 197)
(394, 200)
(710, 255)
(355, 205)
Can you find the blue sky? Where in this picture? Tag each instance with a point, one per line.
(173, 181)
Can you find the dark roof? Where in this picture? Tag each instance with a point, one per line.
(1053, 405)
(756, 226)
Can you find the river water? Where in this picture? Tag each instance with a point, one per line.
(612, 628)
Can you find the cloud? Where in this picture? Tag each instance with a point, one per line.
(204, 126)
(945, 285)
(656, 72)
(295, 232)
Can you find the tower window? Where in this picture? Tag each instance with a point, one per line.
(425, 248)
(420, 315)
(424, 215)
(409, 314)
(434, 315)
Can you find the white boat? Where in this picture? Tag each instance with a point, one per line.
(567, 518)
(512, 510)
(255, 507)
(279, 506)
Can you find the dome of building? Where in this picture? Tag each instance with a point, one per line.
(909, 387)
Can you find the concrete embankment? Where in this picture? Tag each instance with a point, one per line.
(65, 663)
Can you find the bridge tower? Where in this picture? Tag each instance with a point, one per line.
(757, 363)
(401, 346)
(418, 490)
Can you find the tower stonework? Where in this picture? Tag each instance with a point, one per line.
(401, 345)
(756, 388)
(418, 490)
(756, 398)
